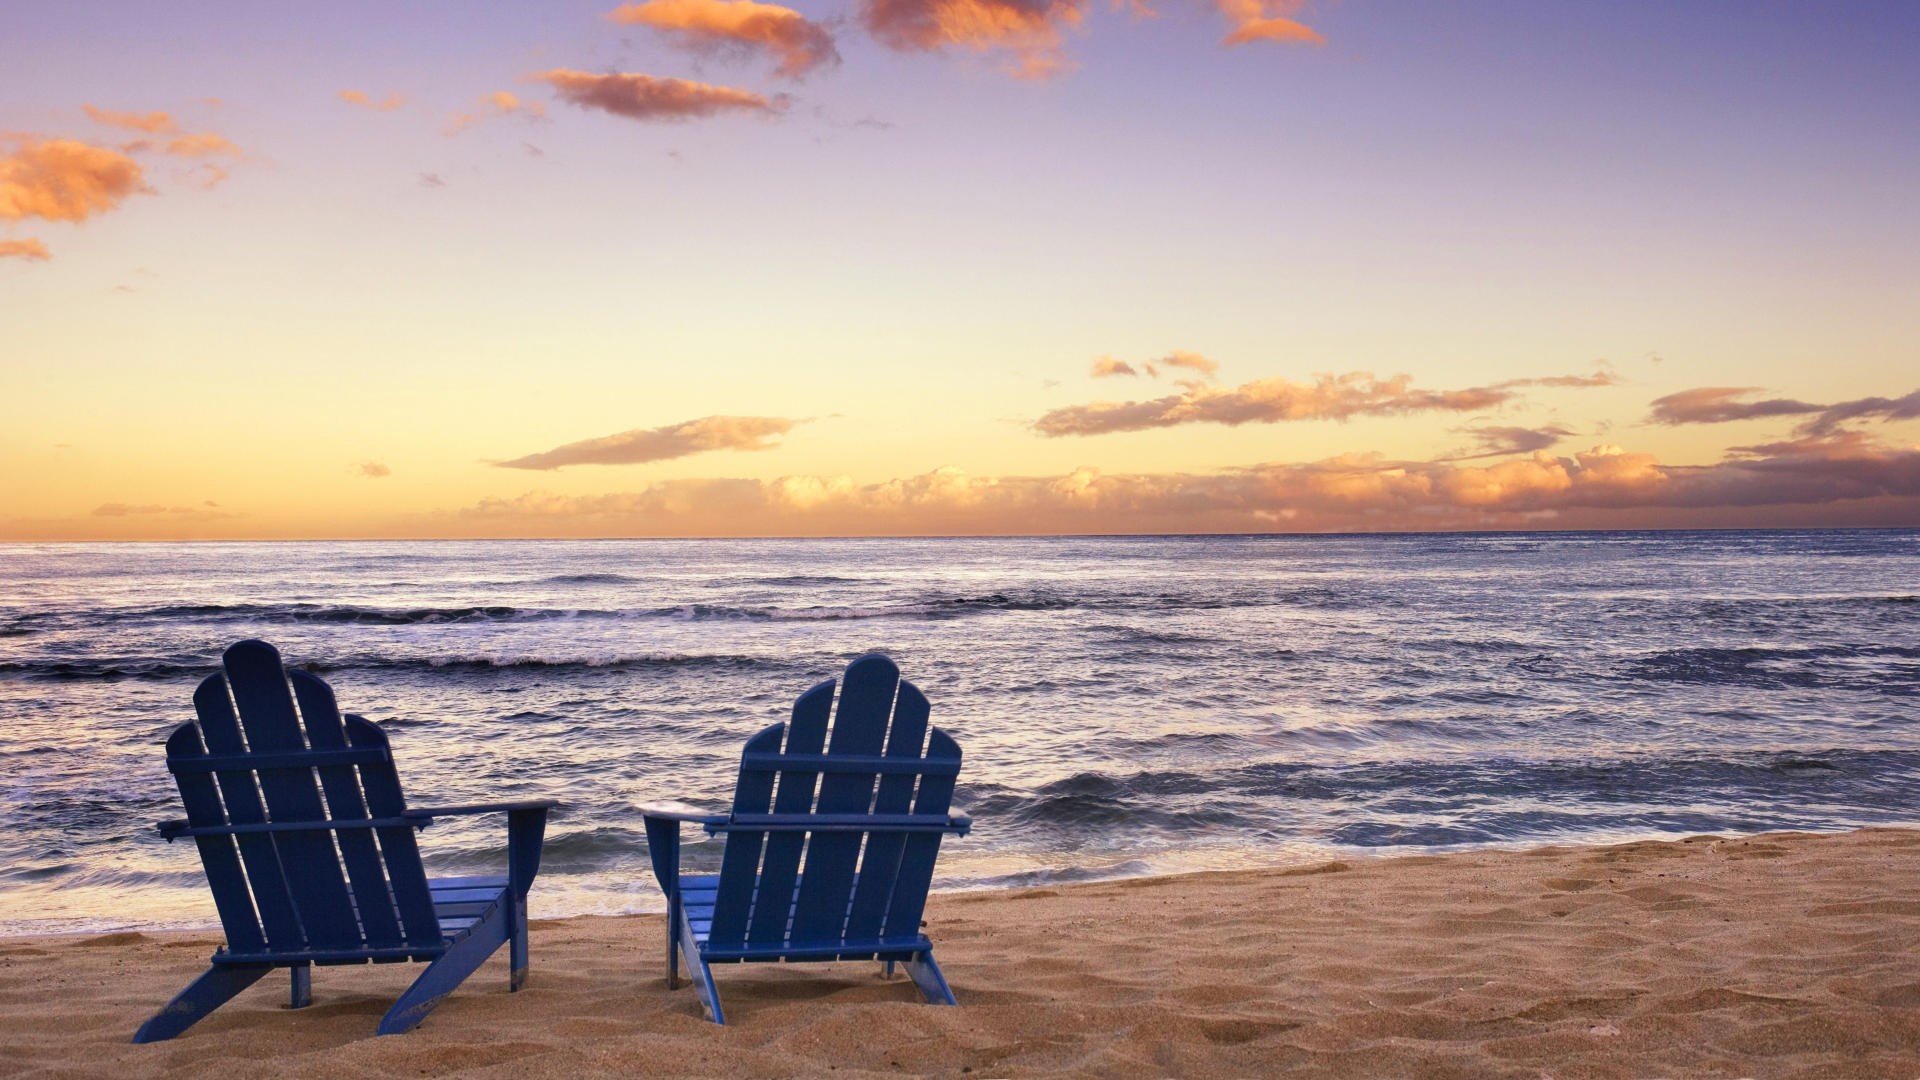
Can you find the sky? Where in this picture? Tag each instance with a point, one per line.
(935, 267)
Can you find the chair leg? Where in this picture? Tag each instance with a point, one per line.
(517, 944)
(926, 975)
(673, 943)
(460, 960)
(701, 974)
(887, 971)
(211, 990)
(302, 994)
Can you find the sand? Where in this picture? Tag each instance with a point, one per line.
(1781, 955)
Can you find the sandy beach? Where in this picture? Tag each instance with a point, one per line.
(1782, 955)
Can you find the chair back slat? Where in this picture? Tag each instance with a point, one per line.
(742, 857)
(880, 864)
(240, 797)
(917, 856)
(379, 921)
(861, 873)
(405, 873)
(793, 794)
(311, 863)
(859, 727)
(218, 854)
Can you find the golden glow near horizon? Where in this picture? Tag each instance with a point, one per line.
(722, 267)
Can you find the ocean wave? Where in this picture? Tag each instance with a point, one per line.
(1866, 667)
(508, 661)
(589, 579)
(102, 669)
(128, 668)
(350, 615)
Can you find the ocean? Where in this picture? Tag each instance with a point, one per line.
(1126, 705)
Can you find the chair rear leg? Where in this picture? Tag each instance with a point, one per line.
(203, 995)
(926, 975)
(302, 993)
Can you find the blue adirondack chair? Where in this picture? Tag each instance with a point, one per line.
(325, 870)
(867, 811)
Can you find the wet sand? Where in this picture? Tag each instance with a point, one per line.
(1783, 955)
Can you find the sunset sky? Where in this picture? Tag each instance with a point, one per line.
(723, 267)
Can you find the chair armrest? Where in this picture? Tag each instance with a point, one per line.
(959, 824)
(679, 811)
(663, 820)
(526, 833)
(428, 813)
(170, 828)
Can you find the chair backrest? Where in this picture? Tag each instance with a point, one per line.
(847, 804)
(250, 760)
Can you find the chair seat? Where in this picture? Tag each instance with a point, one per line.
(461, 902)
(697, 897)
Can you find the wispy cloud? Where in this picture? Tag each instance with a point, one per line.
(662, 443)
(1266, 20)
(153, 123)
(206, 511)
(1107, 366)
(495, 105)
(204, 144)
(1268, 401)
(711, 26)
(644, 97)
(1831, 417)
(1723, 404)
(1720, 404)
(1505, 441)
(1029, 32)
(27, 248)
(374, 470)
(64, 179)
(365, 101)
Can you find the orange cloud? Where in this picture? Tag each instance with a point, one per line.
(1597, 488)
(1107, 367)
(65, 180)
(659, 444)
(206, 144)
(497, 104)
(1030, 30)
(374, 470)
(1190, 361)
(1268, 401)
(1266, 20)
(24, 249)
(714, 25)
(643, 97)
(360, 98)
(153, 123)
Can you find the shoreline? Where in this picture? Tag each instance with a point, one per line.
(1780, 954)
